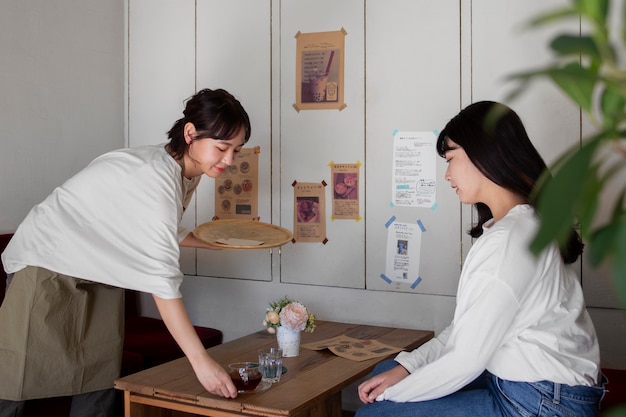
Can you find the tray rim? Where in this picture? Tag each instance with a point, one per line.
(288, 235)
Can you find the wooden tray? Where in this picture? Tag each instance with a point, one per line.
(242, 234)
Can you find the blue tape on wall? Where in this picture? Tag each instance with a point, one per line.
(421, 225)
(416, 283)
(384, 278)
(391, 220)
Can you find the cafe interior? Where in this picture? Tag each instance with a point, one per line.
(81, 78)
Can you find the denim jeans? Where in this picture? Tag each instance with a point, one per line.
(490, 396)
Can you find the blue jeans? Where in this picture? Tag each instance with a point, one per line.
(489, 396)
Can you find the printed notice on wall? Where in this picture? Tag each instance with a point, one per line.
(236, 190)
(414, 169)
(309, 212)
(345, 191)
(319, 70)
(404, 241)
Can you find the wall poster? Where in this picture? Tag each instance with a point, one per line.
(414, 169)
(319, 70)
(309, 212)
(345, 191)
(404, 241)
(236, 190)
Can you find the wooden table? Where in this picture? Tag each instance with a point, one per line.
(311, 387)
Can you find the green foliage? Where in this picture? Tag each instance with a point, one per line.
(589, 69)
(616, 412)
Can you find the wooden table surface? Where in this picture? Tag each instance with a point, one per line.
(311, 386)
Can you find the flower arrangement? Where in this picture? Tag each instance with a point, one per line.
(290, 314)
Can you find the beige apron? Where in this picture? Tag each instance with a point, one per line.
(58, 335)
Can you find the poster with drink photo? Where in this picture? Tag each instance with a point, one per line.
(345, 191)
(309, 212)
(319, 70)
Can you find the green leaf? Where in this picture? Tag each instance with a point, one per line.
(618, 210)
(587, 204)
(559, 197)
(577, 82)
(608, 243)
(554, 16)
(612, 104)
(619, 266)
(596, 10)
(601, 243)
(619, 411)
(565, 45)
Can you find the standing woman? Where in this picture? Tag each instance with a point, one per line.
(521, 342)
(114, 225)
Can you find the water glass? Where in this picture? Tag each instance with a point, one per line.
(271, 363)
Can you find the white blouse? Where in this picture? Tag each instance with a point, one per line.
(116, 222)
(521, 317)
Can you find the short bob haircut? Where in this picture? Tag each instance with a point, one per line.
(495, 140)
(215, 114)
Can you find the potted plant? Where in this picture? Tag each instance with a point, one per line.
(287, 318)
(590, 68)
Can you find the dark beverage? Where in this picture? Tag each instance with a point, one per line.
(247, 380)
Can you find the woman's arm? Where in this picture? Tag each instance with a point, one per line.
(190, 241)
(211, 375)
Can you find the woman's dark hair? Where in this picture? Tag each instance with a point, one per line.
(495, 140)
(216, 114)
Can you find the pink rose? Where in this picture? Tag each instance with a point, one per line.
(272, 317)
(294, 316)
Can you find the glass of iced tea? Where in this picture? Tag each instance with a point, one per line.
(245, 375)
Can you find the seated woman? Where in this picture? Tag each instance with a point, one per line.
(521, 342)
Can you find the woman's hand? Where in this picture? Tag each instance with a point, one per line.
(211, 375)
(373, 387)
(214, 378)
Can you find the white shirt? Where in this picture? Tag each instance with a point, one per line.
(521, 317)
(116, 222)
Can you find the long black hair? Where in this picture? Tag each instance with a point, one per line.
(495, 140)
(216, 114)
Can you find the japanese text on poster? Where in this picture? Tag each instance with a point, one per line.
(414, 169)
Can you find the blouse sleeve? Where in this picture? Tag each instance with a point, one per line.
(426, 353)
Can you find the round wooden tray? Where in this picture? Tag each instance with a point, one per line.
(242, 234)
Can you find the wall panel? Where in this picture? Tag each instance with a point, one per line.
(413, 84)
(233, 52)
(311, 139)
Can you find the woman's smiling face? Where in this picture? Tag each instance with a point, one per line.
(464, 177)
(211, 156)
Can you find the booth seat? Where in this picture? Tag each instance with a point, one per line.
(616, 390)
(147, 343)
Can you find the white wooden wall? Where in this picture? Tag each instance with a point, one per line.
(409, 65)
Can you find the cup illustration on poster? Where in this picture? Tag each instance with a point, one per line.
(319, 70)
(345, 201)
